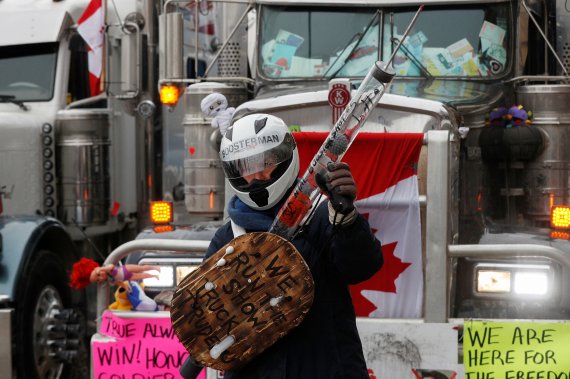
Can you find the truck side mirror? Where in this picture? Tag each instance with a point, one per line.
(170, 46)
(131, 60)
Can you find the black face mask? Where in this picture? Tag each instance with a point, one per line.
(260, 197)
(257, 192)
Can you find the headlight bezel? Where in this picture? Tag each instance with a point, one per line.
(173, 264)
(515, 270)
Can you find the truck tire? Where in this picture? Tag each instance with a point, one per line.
(46, 294)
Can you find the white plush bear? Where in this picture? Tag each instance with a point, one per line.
(216, 105)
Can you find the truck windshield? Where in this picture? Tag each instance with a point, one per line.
(27, 72)
(446, 41)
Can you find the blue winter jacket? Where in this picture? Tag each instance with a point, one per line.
(326, 344)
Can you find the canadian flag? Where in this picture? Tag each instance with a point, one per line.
(384, 167)
(91, 26)
(206, 17)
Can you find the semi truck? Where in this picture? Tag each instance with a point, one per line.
(77, 170)
(492, 194)
(97, 162)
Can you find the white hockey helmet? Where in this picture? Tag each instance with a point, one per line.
(252, 144)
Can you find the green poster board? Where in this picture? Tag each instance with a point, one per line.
(516, 350)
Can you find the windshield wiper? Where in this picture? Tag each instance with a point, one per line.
(12, 99)
(360, 36)
(413, 59)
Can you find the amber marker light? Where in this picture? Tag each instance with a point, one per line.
(161, 212)
(163, 228)
(560, 217)
(169, 94)
(559, 235)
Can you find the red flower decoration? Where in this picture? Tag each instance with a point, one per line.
(80, 273)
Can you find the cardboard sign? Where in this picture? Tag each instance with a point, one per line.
(409, 350)
(516, 350)
(137, 348)
(242, 299)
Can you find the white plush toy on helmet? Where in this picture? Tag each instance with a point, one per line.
(216, 105)
(253, 144)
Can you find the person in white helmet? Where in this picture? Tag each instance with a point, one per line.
(261, 162)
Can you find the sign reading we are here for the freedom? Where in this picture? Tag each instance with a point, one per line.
(516, 350)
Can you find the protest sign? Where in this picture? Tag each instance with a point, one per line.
(516, 350)
(247, 295)
(131, 347)
(408, 349)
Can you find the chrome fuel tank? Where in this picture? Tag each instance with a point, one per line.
(82, 151)
(547, 177)
(203, 176)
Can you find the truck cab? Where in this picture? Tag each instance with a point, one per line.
(489, 55)
(487, 192)
(486, 57)
(71, 168)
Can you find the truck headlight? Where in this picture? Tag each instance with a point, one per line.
(513, 279)
(493, 281)
(531, 283)
(165, 277)
(172, 271)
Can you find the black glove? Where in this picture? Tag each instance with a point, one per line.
(338, 184)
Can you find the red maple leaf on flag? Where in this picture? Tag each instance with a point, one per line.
(384, 281)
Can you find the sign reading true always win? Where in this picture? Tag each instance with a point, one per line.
(138, 348)
(516, 350)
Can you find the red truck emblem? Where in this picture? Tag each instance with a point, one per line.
(339, 96)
